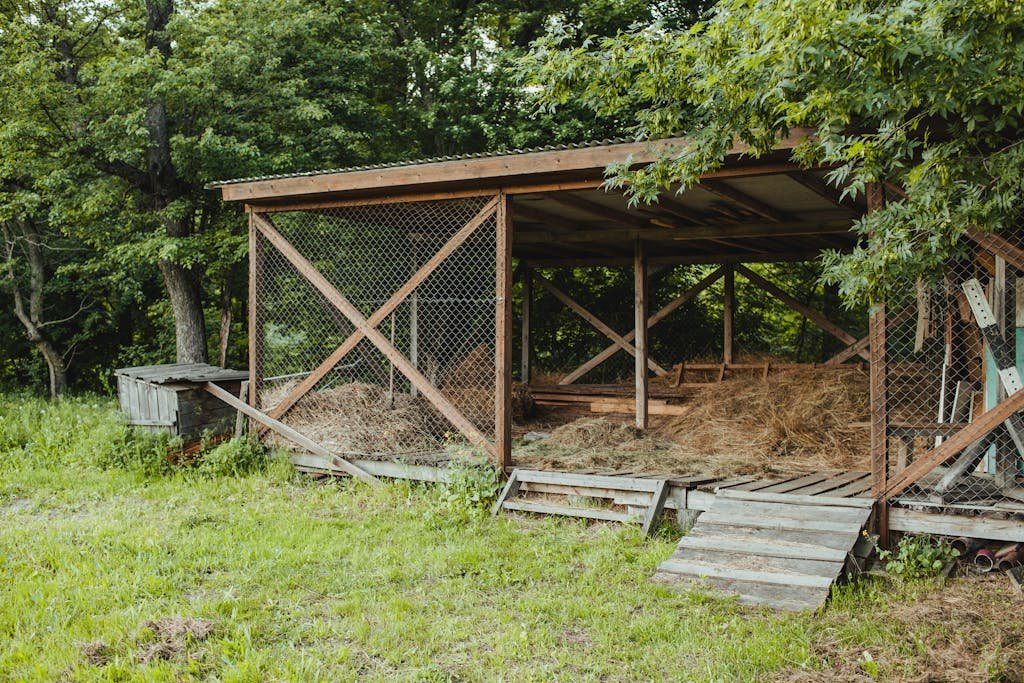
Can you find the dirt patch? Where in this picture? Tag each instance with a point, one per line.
(97, 653)
(173, 635)
(966, 630)
(793, 422)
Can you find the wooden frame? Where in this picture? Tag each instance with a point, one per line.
(640, 331)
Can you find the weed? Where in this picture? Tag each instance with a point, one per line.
(233, 458)
(471, 488)
(918, 556)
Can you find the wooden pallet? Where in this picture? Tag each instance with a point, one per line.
(582, 484)
(776, 549)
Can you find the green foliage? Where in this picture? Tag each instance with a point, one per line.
(927, 95)
(918, 557)
(471, 488)
(233, 458)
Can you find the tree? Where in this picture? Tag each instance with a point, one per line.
(928, 97)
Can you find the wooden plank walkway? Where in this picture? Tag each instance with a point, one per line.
(769, 548)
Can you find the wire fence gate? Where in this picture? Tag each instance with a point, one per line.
(374, 327)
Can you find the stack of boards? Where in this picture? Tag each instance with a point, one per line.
(604, 403)
(774, 549)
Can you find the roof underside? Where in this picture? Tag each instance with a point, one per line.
(751, 209)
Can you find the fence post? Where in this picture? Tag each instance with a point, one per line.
(877, 379)
(503, 335)
(256, 246)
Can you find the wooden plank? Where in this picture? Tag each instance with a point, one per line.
(630, 409)
(752, 593)
(974, 526)
(727, 313)
(743, 520)
(596, 322)
(526, 348)
(833, 483)
(794, 551)
(503, 335)
(657, 317)
(378, 468)
(656, 507)
(854, 517)
(640, 333)
(861, 487)
(679, 259)
(510, 490)
(834, 540)
(731, 481)
(710, 570)
(386, 309)
(443, 405)
(291, 434)
(800, 483)
(748, 560)
(998, 245)
(955, 444)
(589, 480)
(758, 484)
(567, 511)
(800, 307)
(792, 499)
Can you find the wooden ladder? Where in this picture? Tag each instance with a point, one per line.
(658, 488)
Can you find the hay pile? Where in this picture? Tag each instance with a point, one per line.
(469, 384)
(794, 422)
(358, 418)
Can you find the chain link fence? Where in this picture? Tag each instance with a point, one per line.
(953, 346)
(444, 327)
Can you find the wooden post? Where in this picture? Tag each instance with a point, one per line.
(256, 250)
(414, 322)
(503, 335)
(524, 372)
(640, 334)
(877, 380)
(728, 304)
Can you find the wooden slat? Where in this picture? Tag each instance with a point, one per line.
(729, 192)
(791, 499)
(593, 480)
(785, 579)
(742, 520)
(998, 245)
(386, 309)
(913, 521)
(567, 511)
(834, 540)
(748, 560)
(443, 405)
(800, 483)
(833, 483)
(796, 551)
(656, 507)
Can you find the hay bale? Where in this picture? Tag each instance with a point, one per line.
(469, 384)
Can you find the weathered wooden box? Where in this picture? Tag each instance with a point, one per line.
(171, 398)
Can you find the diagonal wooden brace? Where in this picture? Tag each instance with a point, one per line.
(384, 311)
(656, 318)
(599, 324)
(432, 393)
(803, 309)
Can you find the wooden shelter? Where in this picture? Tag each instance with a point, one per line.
(399, 275)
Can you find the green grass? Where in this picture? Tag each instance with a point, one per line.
(309, 581)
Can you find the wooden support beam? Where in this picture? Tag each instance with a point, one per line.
(256, 318)
(385, 310)
(290, 434)
(679, 260)
(955, 444)
(680, 210)
(624, 218)
(640, 331)
(801, 308)
(728, 303)
(878, 385)
(526, 348)
(723, 189)
(656, 318)
(826, 191)
(599, 324)
(503, 336)
(323, 285)
(998, 245)
(689, 233)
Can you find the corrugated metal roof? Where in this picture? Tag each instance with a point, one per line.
(429, 160)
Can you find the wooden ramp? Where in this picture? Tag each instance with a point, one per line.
(776, 549)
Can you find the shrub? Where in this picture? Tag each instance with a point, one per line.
(916, 557)
(472, 486)
(236, 457)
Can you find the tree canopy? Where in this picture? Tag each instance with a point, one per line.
(925, 96)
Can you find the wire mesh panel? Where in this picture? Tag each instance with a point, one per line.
(954, 346)
(439, 327)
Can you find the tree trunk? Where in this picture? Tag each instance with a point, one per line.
(185, 292)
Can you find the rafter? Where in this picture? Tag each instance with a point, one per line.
(726, 191)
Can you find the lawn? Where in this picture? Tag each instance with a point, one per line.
(116, 566)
